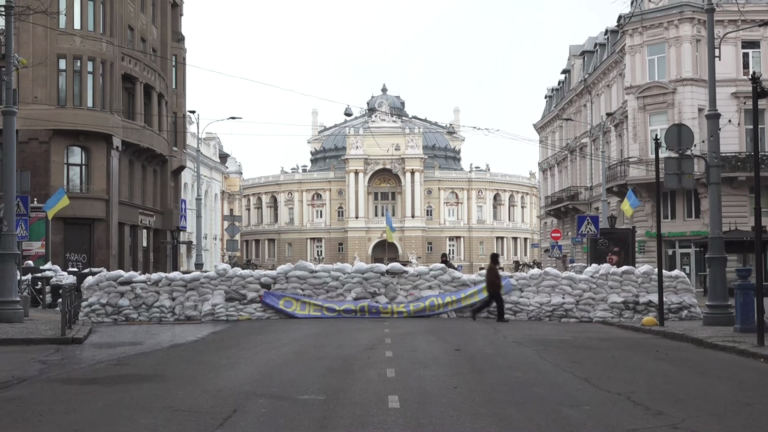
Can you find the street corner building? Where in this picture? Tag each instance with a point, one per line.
(628, 84)
(101, 103)
(386, 162)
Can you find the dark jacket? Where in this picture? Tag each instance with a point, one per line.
(492, 279)
(449, 264)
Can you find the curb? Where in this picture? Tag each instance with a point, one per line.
(680, 337)
(78, 336)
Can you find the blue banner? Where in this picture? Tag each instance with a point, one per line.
(304, 307)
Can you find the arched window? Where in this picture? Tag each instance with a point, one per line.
(452, 196)
(317, 197)
(430, 212)
(76, 170)
(497, 207)
(340, 213)
(248, 212)
(259, 212)
(522, 209)
(275, 210)
(451, 206)
(512, 208)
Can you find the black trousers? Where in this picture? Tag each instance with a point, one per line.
(492, 297)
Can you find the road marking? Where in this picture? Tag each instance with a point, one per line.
(386, 330)
(388, 353)
(390, 373)
(394, 402)
(387, 340)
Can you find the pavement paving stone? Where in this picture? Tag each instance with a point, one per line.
(42, 327)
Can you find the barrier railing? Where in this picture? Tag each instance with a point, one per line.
(70, 307)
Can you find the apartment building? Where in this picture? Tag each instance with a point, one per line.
(629, 83)
(101, 113)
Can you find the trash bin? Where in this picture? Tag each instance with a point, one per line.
(744, 301)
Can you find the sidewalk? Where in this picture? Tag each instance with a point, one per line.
(694, 332)
(42, 327)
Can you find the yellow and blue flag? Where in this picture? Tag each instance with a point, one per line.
(630, 203)
(58, 201)
(390, 229)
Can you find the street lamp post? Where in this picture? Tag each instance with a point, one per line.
(199, 197)
(758, 92)
(719, 311)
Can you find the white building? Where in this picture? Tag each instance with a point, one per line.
(630, 83)
(213, 167)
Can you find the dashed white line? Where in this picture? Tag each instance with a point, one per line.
(390, 373)
(388, 353)
(386, 330)
(387, 340)
(394, 401)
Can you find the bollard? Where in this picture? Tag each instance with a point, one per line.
(744, 299)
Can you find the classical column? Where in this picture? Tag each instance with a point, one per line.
(309, 250)
(442, 206)
(503, 210)
(304, 209)
(362, 202)
(328, 209)
(472, 207)
(408, 213)
(417, 193)
(352, 214)
(465, 205)
(461, 248)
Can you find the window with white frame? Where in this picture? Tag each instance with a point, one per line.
(288, 250)
(657, 61)
(340, 213)
(450, 212)
(429, 247)
(318, 214)
(500, 246)
(749, 129)
(430, 212)
(657, 125)
(482, 248)
(383, 201)
(669, 205)
(290, 215)
(751, 57)
(692, 205)
(452, 247)
(341, 248)
(317, 246)
(480, 215)
(512, 208)
(271, 249)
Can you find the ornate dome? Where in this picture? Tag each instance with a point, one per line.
(387, 103)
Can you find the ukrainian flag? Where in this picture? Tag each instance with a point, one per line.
(390, 229)
(58, 201)
(630, 203)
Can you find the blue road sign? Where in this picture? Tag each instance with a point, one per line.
(588, 225)
(556, 251)
(22, 229)
(183, 215)
(22, 206)
(535, 245)
(577, 240)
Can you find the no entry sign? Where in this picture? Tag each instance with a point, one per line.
(556, 234)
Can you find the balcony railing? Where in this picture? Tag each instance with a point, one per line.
(178, 37)
(570, 194)
(320, 224)
(741, 162)
(454, 222)
(627, 168)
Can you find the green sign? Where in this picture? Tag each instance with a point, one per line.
(585, 248)
(652, 234)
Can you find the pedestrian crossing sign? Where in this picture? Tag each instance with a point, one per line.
(556, 251)
(22, 229)
(588, 225)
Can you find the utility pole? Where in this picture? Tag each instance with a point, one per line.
(659, 242)
(758, 92)
(719, 311)
(198, 204)
(10, 309)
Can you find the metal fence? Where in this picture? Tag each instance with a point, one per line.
(70, 307)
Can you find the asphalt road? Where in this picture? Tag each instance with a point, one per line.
(398, 375)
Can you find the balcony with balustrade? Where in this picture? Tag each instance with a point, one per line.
(569, 201)
(381, 222)
(742, 163)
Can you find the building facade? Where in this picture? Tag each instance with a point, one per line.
(628, 84)
(101, 102)
(213, 167)
(387, 161)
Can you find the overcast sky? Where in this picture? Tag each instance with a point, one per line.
(492, 59)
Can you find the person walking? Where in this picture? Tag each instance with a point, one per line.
(444, 261)
(493, 286)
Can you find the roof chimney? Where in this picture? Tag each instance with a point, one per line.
(456, 119)
(314, 122)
